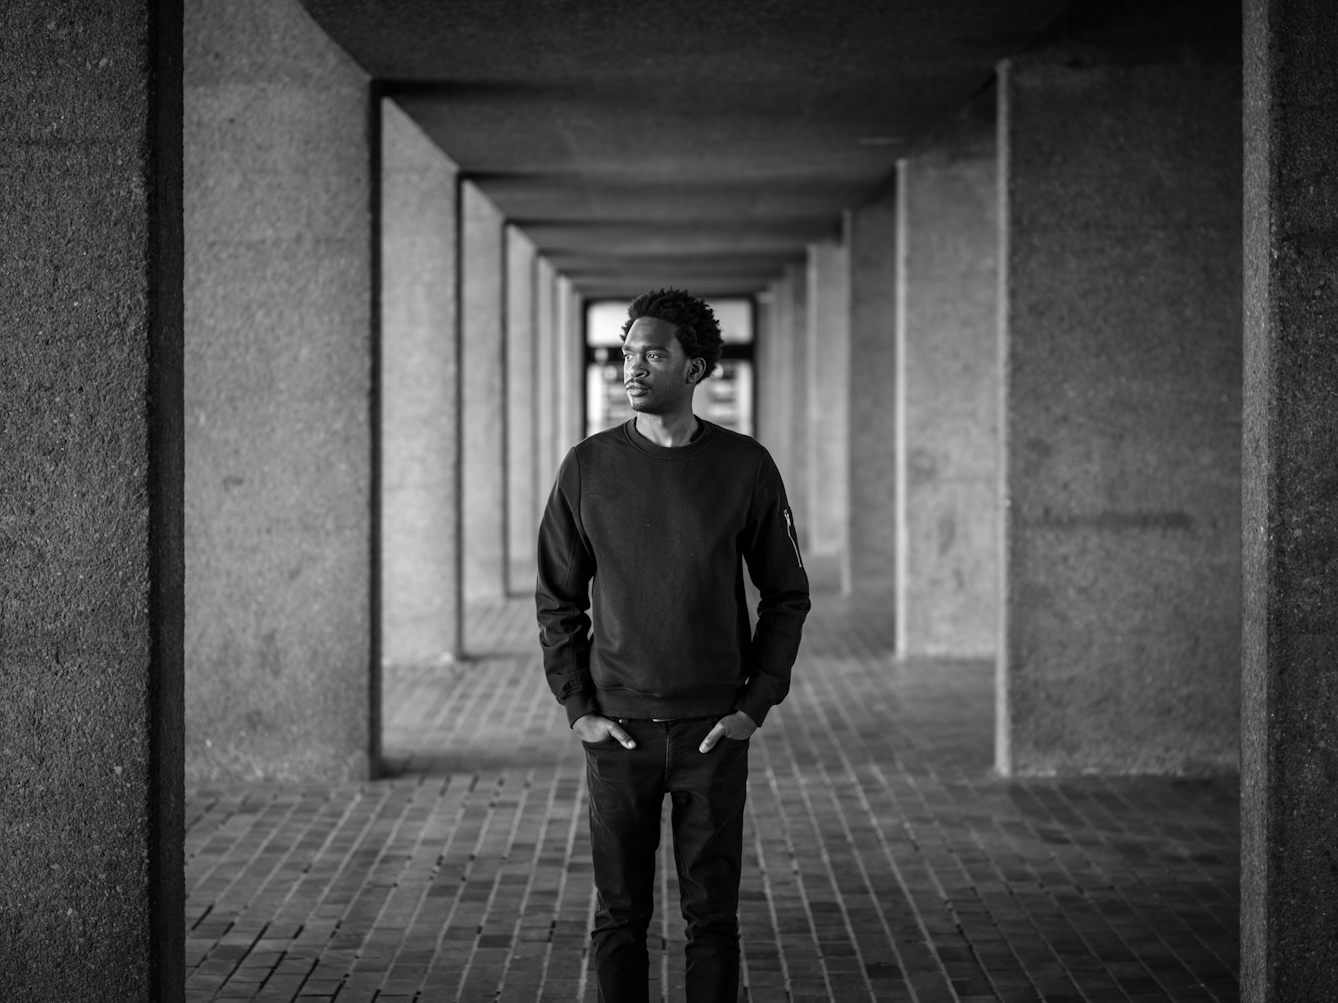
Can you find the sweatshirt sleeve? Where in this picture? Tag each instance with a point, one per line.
(562, 594)
(771, 548)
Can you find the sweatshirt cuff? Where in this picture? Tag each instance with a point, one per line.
(580, 704)
(754, 705)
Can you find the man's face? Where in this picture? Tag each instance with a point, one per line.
(657, 373)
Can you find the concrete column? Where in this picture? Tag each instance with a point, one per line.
(1120, 329)
(91, 575)
(948, 391)
(545, 332)
(419, 398)
(570, 366)
(1289, 757)
(775, 350)
(795, 364)
(483, 395)
(522, 377)
(279, 481)
(873, 377)
(828, 443)
(764, 364)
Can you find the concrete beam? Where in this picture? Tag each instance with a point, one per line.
(91, 577)
(419, 396)
(483, 395)
(1121, 331)
(1289, 757)
(949, 386)
(279, 361)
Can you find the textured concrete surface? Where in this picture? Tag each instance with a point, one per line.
(278, 382)
(796, 364)
(1123, 347)
(545, 345)
(91, 890)
(768, 118)
(1289, 768)
(883, 861)
(828, 554)
(779, 344)
(522, 486)
(419, 396)
(873, 379)
(483, 394)
(765, 397)
(569, 365)
(949, 388)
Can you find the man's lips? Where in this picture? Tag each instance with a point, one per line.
(636, 388)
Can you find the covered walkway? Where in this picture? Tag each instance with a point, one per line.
(886, 859)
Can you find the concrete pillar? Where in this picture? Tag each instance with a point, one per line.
(279, 480)
(764, 364)
(828, 444)
(419, 396)
(1120, 327)
(775, 394)
(545, 340)
(91, 576)
(483, 395)
(873, 377)
(948, 391)
(570, 366)
(522, 376)
(1289, 757)
(795, 364)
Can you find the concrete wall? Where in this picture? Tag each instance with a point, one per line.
(1289, 758)
(873, 377)
(419, 398)
(91, 594)
(522, 487)
(278, 388)
(1121, 327)
(483, 395)
(828, 441)
(948, 391)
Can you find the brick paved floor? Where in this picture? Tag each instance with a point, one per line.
(884, 861)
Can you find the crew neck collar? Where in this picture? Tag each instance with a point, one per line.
(692, 448)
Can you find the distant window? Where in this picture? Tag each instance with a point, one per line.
(725, 397)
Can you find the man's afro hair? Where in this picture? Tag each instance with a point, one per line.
(698, 330)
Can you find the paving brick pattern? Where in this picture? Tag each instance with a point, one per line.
(884, 860)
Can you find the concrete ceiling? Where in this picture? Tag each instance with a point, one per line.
(699, 143)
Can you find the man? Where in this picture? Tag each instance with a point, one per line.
(648, 523)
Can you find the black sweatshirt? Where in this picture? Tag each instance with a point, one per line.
(649, 539)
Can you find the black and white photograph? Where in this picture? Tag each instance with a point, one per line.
(669, 501)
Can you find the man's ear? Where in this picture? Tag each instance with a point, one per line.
(696, 370)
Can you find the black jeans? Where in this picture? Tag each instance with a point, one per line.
(707, 790)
